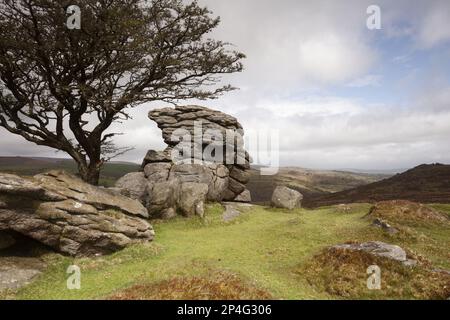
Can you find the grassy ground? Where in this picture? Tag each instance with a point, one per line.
(264, 249)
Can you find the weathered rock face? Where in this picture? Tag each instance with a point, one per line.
(186, 123)
(62, 212)
(135, 185)
(286, 198)
(167, 175)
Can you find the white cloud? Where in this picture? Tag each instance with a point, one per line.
(435, 25)
(334, 59)
(297, 43)
(372, 80)
(427, 23)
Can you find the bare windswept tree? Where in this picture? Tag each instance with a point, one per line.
(63, 87)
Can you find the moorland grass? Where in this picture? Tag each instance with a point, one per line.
(264, 248)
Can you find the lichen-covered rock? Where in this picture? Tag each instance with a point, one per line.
(376, 248)
(162, 195)
(153, 156)
(135, 184)
(63, 212)
(286, 198)
(192, 198)
(235, 162)
(160, 186)
(180, 191)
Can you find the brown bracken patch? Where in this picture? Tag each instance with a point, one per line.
(214, 286)
(343, 273)
(407, 212)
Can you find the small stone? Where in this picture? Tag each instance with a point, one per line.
(410, 263)
(245, 196)
(384, 225)
(230, 213)
(168, 213)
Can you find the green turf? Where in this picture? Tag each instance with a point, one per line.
(264, 246)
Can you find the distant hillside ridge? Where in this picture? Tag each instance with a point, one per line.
(29, 166)
(309, 182)
(426, 183)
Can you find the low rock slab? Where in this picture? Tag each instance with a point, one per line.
(16, 272)
(379, 249)
(230, 213)
(69, 215)
(234, 209)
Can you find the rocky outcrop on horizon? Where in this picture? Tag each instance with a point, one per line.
(69, 215)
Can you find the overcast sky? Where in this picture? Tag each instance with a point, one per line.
(341, 95)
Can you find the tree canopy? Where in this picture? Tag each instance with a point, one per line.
(62, 87)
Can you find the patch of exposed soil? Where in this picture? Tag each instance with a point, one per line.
(407, 212)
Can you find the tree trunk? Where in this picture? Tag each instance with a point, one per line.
(93, 175)
(90, 173)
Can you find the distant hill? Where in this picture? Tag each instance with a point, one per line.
(308, 182)
(29, 166)
(427, 183)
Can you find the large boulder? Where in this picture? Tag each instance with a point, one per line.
(167, 175)
(226, 178)
(286, 198)
(69, 215)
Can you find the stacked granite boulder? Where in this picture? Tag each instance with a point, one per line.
(182, 177)
(69, 215)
